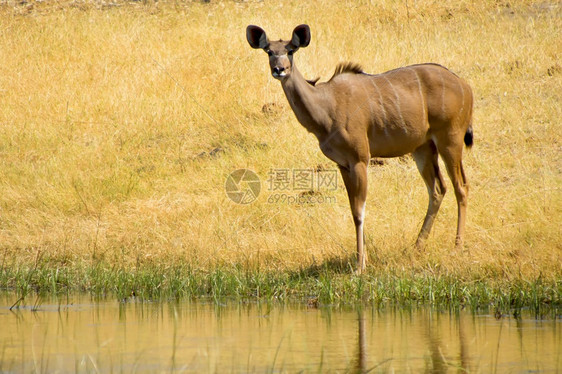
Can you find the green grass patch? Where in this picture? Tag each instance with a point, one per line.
(315, 286)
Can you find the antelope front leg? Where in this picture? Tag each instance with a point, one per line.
(355, 180)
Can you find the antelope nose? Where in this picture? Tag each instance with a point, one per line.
(278, 70)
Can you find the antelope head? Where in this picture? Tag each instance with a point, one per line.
(280, 52)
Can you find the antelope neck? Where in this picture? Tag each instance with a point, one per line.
(309, 103)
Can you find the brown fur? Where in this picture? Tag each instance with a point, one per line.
(421, 109)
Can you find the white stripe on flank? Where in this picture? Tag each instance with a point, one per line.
(397, 102)
(442, 92)
(368, 99)
(462, 91)
(421, 93)
(381, 101)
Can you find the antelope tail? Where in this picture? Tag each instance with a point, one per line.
(468, 137)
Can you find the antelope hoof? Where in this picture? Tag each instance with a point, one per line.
(360, 268)
(420, 245)
(459, 245)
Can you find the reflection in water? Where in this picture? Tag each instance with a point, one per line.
(361, 364)
(438, 363)
(83, 336)
(464, 355)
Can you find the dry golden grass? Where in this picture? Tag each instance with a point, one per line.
(106, 110)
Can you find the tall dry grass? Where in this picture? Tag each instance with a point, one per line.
(109, 111)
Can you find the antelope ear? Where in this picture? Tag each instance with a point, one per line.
(301, 36)
(256, 37)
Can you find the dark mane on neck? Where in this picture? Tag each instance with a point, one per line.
(347, 67)
(313, 82)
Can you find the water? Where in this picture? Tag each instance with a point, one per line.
(79, 335)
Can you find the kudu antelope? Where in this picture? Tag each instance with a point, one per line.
(421, 109)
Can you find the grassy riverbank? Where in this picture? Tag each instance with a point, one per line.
(323, 285)
(120, 123)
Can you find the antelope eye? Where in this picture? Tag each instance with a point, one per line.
(269, 53)
(290, 53)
